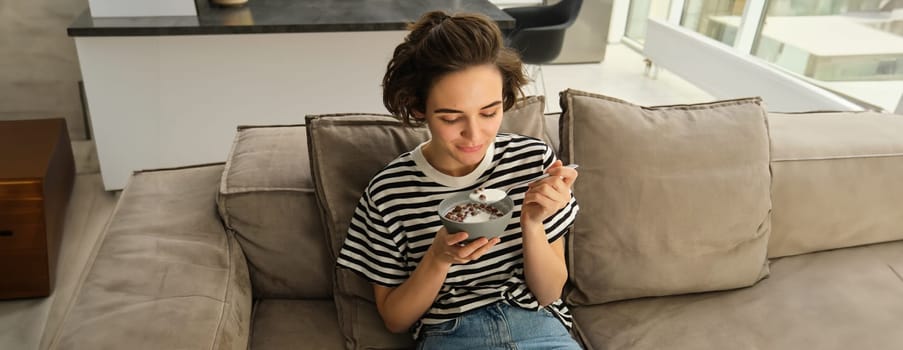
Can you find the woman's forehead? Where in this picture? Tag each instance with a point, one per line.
(472, 88)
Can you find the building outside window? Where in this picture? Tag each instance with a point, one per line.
(851, 47)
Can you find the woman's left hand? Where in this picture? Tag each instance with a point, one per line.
(547, 196)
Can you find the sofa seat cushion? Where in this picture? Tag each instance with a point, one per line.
(841, 299)
(164, 274)
(675, 199)
(295, 324)
(266, 196)
(836, 180)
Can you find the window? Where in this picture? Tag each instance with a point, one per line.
(834, 40)
(716, 19)
(853, 48)
(639, 11)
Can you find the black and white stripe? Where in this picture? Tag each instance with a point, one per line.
(396, 220)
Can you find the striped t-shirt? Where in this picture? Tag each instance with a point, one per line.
(395, 222)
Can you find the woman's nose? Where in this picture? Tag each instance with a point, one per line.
(470, 128)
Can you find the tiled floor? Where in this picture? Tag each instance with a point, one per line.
(22, 322)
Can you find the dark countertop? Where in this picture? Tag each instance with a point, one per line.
(284, 16)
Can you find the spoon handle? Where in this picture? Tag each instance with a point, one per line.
(543, 176)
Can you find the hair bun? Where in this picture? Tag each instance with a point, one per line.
(437, 17)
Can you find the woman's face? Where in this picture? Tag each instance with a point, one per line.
(463, 113)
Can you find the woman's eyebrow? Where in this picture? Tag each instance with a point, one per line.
(496, 103)
(449, 110)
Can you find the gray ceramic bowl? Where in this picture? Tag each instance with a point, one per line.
(489, 229)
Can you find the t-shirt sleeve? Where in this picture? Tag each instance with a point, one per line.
(559, 224)
(370, 250)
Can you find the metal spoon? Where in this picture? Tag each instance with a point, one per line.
(492, 195)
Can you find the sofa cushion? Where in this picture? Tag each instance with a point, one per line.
(839, 299)
(345, 152)
(164, 273)
(552, 134)
(295, 324)
(836, 180)
(526, 118)
(679, 196)
(266, 197)
(367, 326)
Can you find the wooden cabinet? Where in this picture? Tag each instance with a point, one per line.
(37, 172)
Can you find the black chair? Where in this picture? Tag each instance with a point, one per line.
(538, 32)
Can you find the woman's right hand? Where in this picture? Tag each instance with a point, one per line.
(452, 249)
(401, 306)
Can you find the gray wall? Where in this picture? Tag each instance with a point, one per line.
(39, 70)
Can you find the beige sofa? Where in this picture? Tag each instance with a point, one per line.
(708, 226)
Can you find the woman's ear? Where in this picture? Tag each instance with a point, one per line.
(419, 115)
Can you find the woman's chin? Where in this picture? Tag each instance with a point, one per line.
(470, 161)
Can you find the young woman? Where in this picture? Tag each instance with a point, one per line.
(454, 74)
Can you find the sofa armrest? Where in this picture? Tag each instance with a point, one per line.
(164, 273)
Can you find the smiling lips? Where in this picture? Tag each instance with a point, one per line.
(470, 149)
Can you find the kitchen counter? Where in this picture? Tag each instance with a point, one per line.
(284, 16)
(170, 91)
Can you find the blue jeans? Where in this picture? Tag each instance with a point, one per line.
(498, 326)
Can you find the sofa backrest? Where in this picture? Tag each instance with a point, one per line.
(837, 180)
(266, 197)
(834, 184)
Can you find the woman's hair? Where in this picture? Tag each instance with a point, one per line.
(439, 44)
